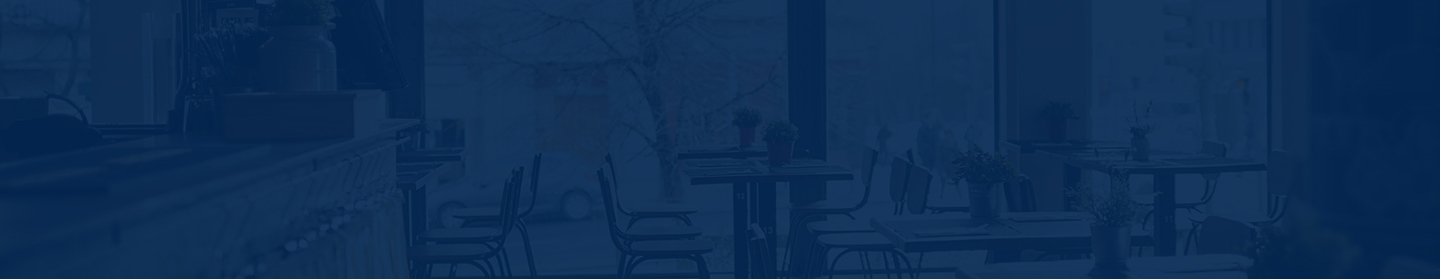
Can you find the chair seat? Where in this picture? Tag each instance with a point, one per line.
(671, 247)
(449, 252)
(951, 207)
(1149, 200)
(856, 241)
(460, 235)
(825, 206)
(662, 232)
(660, 209)
(477, 213)
(1249, 218)
(840, 226)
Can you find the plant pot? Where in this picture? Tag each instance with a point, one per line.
(1059, 129)
(747, 136)
(780, 152)
(297, 59)
(984, 200)
(1142, 148)
(1110, 247)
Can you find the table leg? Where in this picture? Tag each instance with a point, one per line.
(765, 196)
(1072, 182)
(741, 211)
(416, 213)
(1164, 215)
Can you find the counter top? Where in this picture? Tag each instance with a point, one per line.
(50, 198)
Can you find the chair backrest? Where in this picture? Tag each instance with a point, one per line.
(1284, 172)
(534, 185)
(510, 202)
(617, 236)
(899, 179)
(1219, 235)
(1214, 149)
(615, 182)
(759, 258)
(917, 200)
(867, 175)
(1020, 194)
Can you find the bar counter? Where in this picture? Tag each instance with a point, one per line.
(182, 207)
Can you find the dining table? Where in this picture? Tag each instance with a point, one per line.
(754, 185)
(1163, 166)
(1004, 235)
(1213, 266)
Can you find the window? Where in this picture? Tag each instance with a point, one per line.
(1200, 67)
(578, 80)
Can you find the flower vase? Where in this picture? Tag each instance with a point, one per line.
(1141, 144)
(1110, 246)
(1059, 129)
(747, 136)
(298, 59)
(984, 200)
(780, 152)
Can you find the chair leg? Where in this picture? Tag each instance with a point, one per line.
(1190, 237)
(620, 267)
(833, 263)
(900, 257)
(792, 245)
(486, 271)
(686, 219)
(452, 270)
(701, 266)
(529, 253)
(631, 267)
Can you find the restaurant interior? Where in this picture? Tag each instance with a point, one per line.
(973, 139)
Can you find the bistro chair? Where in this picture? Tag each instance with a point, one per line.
(800, 215)
(483, 249)
(481, 215)
(646, 211)
(760, 260)
(1211, 148)
(635, 251)
(1283, 173)
(910, 196)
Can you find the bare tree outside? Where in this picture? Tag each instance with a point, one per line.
(674, 70)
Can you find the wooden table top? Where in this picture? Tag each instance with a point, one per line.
(1029, 230)
(757, 171)
(1219, 266)
(1161, 162)
(721, 152)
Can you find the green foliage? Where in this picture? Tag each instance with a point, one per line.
(781, 131)
(747, 117)
(1139, 123)
(1303, 249)
(1058, 111)
(1114, 208)
(982, 168)
(300, 12)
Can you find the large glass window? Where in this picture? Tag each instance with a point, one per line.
(913, 76)
(1200, 69)
(577, 80)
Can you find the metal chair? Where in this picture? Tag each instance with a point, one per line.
(801, 215)
(647, 211)
(760, 260)
(635, 251)
(1214, 149)
(483, 250)
(492, 215)
(1284, 172)
(910, 196)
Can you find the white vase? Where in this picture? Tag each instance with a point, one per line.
(297, 59)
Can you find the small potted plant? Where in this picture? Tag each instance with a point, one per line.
(983, 173)
(747, 119)
(780, 139)
(1140, 130)
(299, 56)
(1110, 232)
(1058, 116)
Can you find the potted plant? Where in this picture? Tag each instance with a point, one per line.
(780, 138)
(983, 173)
(1110, 233)
(1304, 248)
(299, 56)
(747, 119)
(1140, 130)
(1058, 116)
